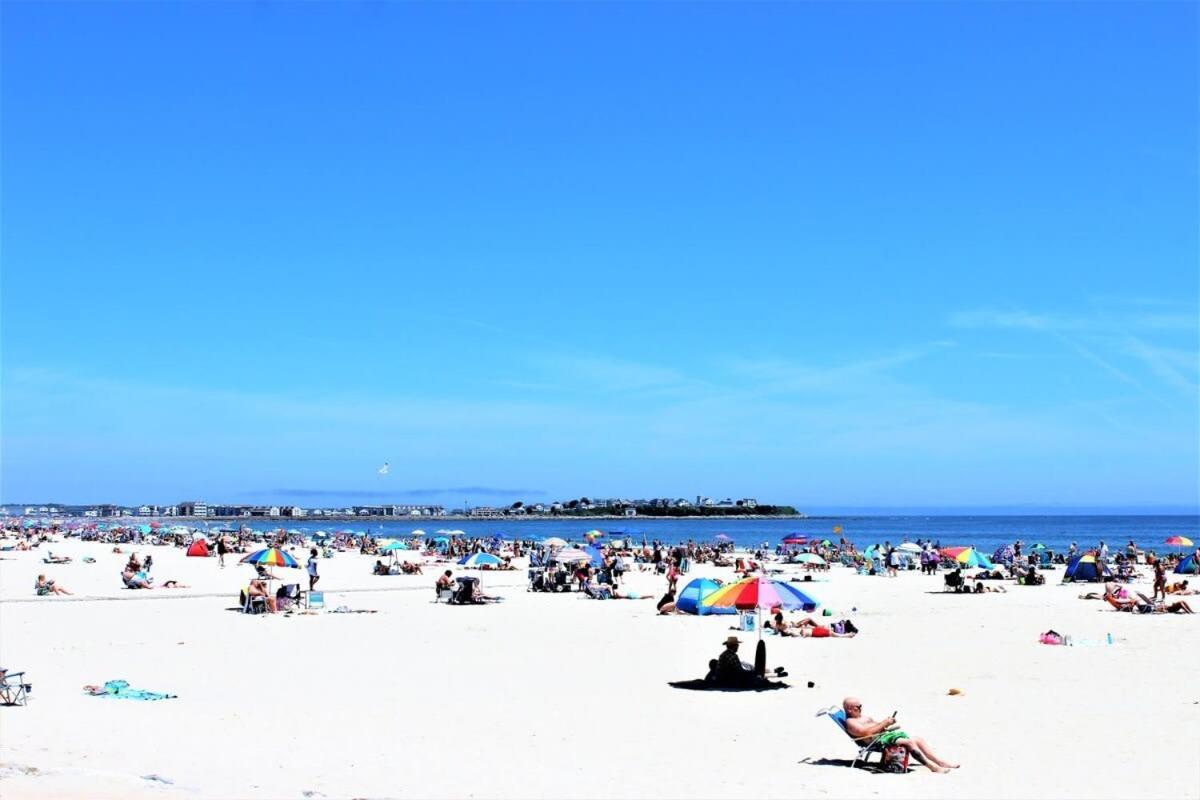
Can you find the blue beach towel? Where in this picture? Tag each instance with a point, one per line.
(121, 691)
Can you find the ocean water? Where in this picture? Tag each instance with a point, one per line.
(984, 532)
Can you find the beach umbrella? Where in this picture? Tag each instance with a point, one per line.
(396, 545)
(440, 540)
(1038, 546)
(594, 533)
(968, 557)
(795, 538)
(554, 541)
(720, 537)
(271, 557)
(910, 547)
(1179, 541)
(758, 593)
(826, 543)
(417, 533)
(573, 554)
(477, 560)
(810, 558)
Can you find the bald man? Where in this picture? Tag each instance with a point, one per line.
(864, 730)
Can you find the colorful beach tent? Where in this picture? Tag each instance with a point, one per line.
(1085, 568)
(690, 598)
(1188, 566)
(198, 548)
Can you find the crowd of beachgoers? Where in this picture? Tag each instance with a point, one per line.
(772, 592)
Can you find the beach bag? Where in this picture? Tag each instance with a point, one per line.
(895, 759)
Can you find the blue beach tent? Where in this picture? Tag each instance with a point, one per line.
(1188, 566)
(1085, 568)
(689, 599)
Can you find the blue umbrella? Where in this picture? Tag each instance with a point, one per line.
(479, 559)
(397, 545)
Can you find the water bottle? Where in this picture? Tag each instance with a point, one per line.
(1110, 639)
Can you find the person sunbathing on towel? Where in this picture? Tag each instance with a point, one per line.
(1179, 588)
(864, 730)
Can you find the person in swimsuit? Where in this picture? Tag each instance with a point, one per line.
(43, 587)
(864, 730)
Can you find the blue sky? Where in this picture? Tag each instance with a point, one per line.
(826, 254)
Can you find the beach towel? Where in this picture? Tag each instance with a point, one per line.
(121, 691)
(701, 685)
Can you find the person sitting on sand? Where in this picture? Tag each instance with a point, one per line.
(864, 730)
(445, 581)
(666, 603)
(729, 670)
(258, 588)
(135, 580)
(44, 586)
(53, 559)
(409, 568)
(380, 568)
(133, 565)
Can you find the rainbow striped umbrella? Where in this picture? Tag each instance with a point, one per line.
(968, 557)
(271, 557)
(1179, 541)
(759, 592)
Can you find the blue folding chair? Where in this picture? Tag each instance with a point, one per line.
(838, 715)
(314, 600)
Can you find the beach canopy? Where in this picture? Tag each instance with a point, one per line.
(198, 548)
(968, 557)
(554, 541)
(1179, 541)
(1086, 568)
(477, 560)
(573, 554)
(271, 557)
(1188, 566)
(759, 592)
(691, 597)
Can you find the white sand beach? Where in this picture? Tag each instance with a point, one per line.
(560, 696)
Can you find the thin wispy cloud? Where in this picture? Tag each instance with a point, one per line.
(1116, 338)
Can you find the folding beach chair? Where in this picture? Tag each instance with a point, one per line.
(14, 691)
(838, 715)
(314, 600)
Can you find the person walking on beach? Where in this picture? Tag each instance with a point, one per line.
(313, 577)
(1160, 581)
(221, 550)
(864, 730)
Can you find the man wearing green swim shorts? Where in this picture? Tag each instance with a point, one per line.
(865, 730)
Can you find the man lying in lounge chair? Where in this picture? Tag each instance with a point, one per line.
(865, 730)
